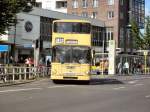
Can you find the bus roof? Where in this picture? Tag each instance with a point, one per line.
(71, 20)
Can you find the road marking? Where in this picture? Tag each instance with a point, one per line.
(132, 82)
(138, 85)
(119, 88)
(18, 90)
(60, 86)
(148, 96)
(29, 89)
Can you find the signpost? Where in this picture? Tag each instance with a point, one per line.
(112, 55)
(145, 58)
(4, 48)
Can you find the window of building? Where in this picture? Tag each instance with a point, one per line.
(74, 13)
(109, 34)
(121, 2)
(75, 3)
(110, 14)
(121, 15)
(110, 2)
(84, 14)
(121, 40)
(84, 3)
(94, 15)
(95, 3)
(97, 36)
(38, 4)
(61, 4)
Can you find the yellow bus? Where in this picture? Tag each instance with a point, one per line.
(71, 50)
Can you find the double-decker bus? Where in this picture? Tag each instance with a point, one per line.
(71, 50)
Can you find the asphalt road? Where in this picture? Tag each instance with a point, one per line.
(99, 96)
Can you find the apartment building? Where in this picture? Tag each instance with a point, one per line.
(55, 5)
(116, 14)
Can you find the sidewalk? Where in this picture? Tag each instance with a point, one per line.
(121, 77)
(15, 82)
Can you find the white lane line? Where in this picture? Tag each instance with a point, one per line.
(138, 85)
(148, 96)
(119, 88)
(61, 86)
(18, 90)
(132, 82)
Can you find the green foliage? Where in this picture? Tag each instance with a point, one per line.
(147, 33)
(141, 41)
(9, 8)
(137, 36)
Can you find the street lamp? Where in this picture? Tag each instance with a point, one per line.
(130, 39)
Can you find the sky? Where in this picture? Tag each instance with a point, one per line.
(147, 7)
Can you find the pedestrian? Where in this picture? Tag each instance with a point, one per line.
(139, 67)
(134, 68)
(126, 68)
(11, 60)
(119, 68)
(27, 62)
(106, 65)
(48, 63)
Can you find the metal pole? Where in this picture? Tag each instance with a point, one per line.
(145, 56)
(14, 50)
(103, 58)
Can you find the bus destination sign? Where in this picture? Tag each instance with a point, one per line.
(69, 41)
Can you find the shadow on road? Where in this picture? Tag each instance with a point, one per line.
(105, 81)
(91, 82)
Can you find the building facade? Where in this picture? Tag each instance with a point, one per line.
(55, 5)
(37, 25)
(116, 14)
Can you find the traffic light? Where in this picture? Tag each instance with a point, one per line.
(41, 45)
(36, 43)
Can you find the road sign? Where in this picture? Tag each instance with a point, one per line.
(4, 48)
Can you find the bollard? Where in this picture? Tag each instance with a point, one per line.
(13, 75)
(5, 74)
(20, 78)
(43, 71)
(25, 73)
(29, 72)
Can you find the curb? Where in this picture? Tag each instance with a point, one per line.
(15, 83)
(125, 78)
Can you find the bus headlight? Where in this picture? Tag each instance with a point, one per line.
(54, 72)
(59, 40)
(87, 72)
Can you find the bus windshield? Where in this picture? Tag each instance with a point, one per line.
(71, 54)
(72, 27)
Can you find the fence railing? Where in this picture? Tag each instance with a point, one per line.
(8, 74)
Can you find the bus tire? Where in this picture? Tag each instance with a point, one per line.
(56, 81)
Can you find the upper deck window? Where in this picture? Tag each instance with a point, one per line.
(72, 27)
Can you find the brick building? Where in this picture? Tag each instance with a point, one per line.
(116, 14)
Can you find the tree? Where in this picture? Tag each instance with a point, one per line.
(9, 8)
(138, 40)
(147, 33)
(141, 41)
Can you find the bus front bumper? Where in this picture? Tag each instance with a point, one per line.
(70, 77)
